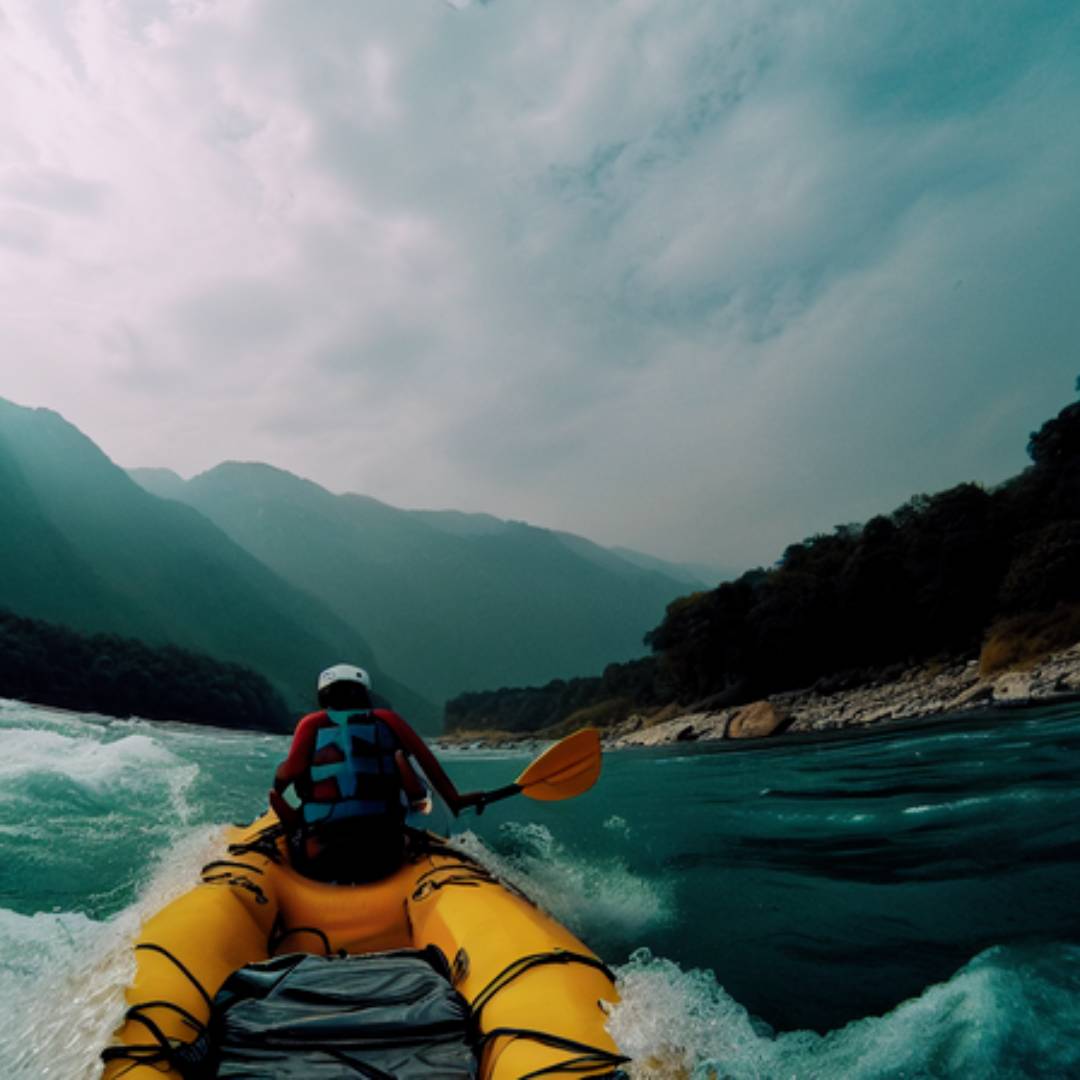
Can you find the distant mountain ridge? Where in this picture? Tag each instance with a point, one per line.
(84, 546)
(694, 574)
(252, 565)
(453, 601)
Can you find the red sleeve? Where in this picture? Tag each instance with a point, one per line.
(414, 745)
(301, 751)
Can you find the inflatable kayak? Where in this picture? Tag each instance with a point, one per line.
(439, 970)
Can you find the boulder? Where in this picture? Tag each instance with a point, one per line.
(756, 721)
(1013, 686)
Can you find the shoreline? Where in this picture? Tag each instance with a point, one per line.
(952, 688)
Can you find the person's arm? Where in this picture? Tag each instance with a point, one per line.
(412, 744)
(300, 753)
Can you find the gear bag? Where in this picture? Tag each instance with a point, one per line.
(306, 1017)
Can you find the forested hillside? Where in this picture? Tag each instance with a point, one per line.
(450, 601)
(104, 673)
(957, 573)
(84, 546)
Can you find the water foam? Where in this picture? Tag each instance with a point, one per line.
(1010, 1013)
(584, 892)
(62, 976)
(88, 766)
(619, 825)
(83, 759)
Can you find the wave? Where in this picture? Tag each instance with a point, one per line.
(1012, 1012)
(83, 814)
(62, 974)
(593, 896)
(83, 759)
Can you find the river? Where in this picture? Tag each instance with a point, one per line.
(896, 903)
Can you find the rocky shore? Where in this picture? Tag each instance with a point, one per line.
(925, 691)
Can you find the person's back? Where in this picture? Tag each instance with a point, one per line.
(345, 765)
(349, 763)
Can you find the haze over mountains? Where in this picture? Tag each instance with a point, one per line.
(454, 601)
(83, 545)
(253, 565)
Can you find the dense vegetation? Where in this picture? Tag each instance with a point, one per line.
(937, 576)
(103, 673)
(83, 546)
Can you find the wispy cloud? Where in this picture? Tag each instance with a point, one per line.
(698, 278)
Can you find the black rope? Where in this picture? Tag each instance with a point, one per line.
(230, 863)
(192, 1021)
(480, 875)
(151, 947)
(173, 1052)
(472, 867)
(466, 873)
(150, 1052)
(471, 881)
(241, 882)
(278, 936)
(589, 1057)
(585, 1063)
(527, 963)
(265, 843)
(139, 1054)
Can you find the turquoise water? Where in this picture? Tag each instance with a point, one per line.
(900, 904)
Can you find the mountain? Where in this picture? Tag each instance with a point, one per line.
(83, 545)
(967, 572)
(452, 601)
(693, 574)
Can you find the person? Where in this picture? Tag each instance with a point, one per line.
(350, 765)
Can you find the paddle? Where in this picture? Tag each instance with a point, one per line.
(564, 770)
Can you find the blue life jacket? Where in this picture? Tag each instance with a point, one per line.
(367, 777)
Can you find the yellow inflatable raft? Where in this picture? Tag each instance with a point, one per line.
(535, 995)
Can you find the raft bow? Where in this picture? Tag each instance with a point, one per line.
(533, 997)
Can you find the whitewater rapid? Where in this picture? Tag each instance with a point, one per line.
(102, 821)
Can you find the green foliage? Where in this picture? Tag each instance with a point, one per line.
(1045, 571)
(104, 673)
(928, 579)
(84, 546)
(1057, 442)
(540, 708)
(603, 714)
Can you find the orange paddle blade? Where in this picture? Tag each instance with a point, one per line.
(564, 770)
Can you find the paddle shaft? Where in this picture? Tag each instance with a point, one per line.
(562, 771)
(482, 798)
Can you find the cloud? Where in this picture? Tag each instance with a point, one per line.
(697, 278)
(50, 190)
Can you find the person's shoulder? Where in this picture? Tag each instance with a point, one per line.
(389, 716)
(313, 719)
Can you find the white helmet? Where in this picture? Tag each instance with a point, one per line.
(344, 673)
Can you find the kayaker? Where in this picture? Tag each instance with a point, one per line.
(349, 764)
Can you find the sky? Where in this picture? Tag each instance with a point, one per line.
(697, 277)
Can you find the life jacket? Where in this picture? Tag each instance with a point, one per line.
(366, 775)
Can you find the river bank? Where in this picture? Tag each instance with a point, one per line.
(923, 691)
(919, 692)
